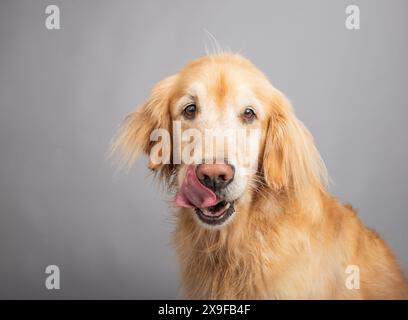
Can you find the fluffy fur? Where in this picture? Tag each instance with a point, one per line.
(289, 239)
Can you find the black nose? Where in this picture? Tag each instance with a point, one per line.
(215, 176)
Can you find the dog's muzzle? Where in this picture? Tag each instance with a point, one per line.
(202, 189)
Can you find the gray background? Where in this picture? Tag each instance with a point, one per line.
(64, 92)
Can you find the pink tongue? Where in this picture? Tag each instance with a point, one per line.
(193, 193)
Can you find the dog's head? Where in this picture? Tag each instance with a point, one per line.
(220, 133)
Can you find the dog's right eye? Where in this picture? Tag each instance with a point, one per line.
(189, 112)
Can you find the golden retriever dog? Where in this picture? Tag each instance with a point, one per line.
(254, 221)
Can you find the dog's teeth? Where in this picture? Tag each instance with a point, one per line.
(227, 205)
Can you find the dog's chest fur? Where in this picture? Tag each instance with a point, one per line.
(253, 264)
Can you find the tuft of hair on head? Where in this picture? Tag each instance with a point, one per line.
(215, 47)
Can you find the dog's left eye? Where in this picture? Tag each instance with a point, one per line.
(248, 114)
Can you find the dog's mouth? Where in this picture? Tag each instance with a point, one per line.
(210, 208)
(216, 214)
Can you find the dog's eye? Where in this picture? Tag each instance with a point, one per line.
(249, 114)
(189, 112)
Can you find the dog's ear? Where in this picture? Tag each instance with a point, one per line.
(133, 136)
(290, 158)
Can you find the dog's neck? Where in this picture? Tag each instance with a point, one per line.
(243, 247)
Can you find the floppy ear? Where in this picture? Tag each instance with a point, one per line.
(133, 135)
(290, 160)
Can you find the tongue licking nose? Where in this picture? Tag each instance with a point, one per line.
(193, 193)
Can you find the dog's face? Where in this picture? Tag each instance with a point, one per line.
(218, 100)
(230, 133)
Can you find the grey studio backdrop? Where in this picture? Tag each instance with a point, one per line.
(64, 92)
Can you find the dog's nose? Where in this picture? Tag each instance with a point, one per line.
(215, 176)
